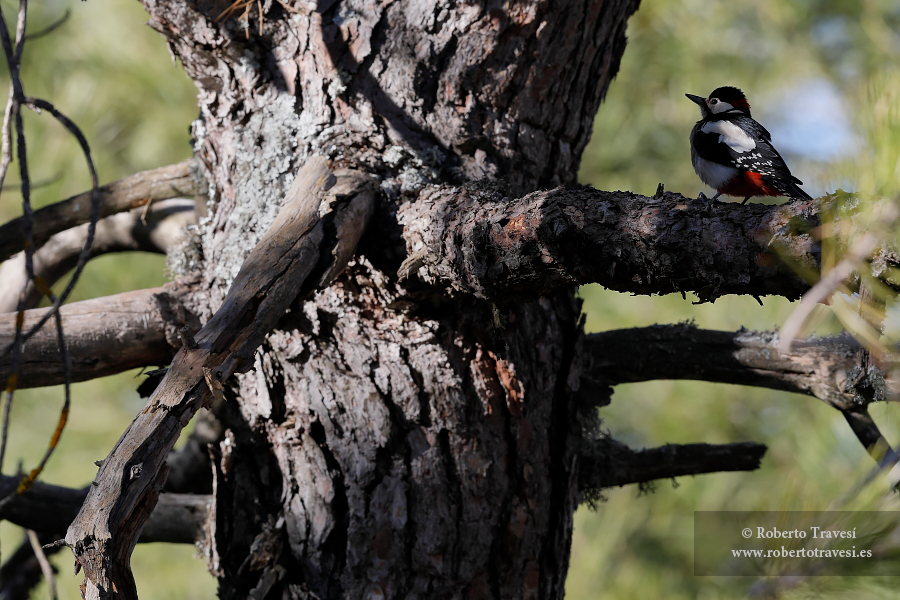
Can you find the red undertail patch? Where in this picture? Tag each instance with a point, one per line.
(749, 183)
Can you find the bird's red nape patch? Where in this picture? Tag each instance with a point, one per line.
(749, 183)
(740, 103)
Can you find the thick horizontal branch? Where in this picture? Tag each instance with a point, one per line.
(474, 240)
(825, 368)
(156, 231)
(104, 336)
(612, 464)
(309, 243)
(136, 190)
(177, 518)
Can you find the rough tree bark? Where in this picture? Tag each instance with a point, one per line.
(384, 447)
(416, 422)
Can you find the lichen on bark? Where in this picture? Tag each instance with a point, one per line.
(405, 448)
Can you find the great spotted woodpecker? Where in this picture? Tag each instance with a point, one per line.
(733, 154)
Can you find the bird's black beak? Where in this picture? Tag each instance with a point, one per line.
(697, 99)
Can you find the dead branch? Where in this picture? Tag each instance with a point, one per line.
(177, 518)
(14, 109)
(307, 245)
(871, 438)
(21, 572)
(124, 232)
(612, 464)
(825, 368)
(475, 240)
(104, 336)
(46, 568)
(134, 191)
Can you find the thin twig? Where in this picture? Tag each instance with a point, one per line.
(146, 211)
(29, 479)
(50, 28)
(13, 61)
(20, 34)
(259, 8)
(824, 288)
(46, 568)
(289, 7)
(37, 184)
(232, 8)
(95, 212)
(878, 448)
(5, 148)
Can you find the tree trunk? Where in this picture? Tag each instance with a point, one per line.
(390, 443)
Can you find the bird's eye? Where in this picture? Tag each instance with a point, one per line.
(713, 101)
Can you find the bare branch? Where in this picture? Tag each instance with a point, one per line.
(610, 463)
(46, 568)
(177, 518)
(306, 246)
(825, 368)
(172, 181)
(871, 438)
(475, 240)
(21, 572)
(123, 232)
(50, 28)
(104, 336)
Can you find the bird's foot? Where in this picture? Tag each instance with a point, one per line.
(708, 203)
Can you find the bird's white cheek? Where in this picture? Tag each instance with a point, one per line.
(720, 107)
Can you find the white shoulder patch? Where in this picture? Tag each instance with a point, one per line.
(731, 135)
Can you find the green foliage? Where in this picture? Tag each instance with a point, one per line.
(112, 75)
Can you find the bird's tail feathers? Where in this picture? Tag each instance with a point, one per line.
(791, 188)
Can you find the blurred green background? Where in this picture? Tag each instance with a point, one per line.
(112, 75)
(817, 73)
(822, 76)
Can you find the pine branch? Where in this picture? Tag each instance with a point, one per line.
(475, 240)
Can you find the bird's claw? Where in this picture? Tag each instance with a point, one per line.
(708, 203)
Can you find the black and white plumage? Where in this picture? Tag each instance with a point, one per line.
(733, 154)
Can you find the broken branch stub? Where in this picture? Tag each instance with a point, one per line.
(298, 254)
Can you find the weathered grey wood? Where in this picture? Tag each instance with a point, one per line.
(159, 230)
(825, 368)
(104, 335)
(130, 192)
(128, 483)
